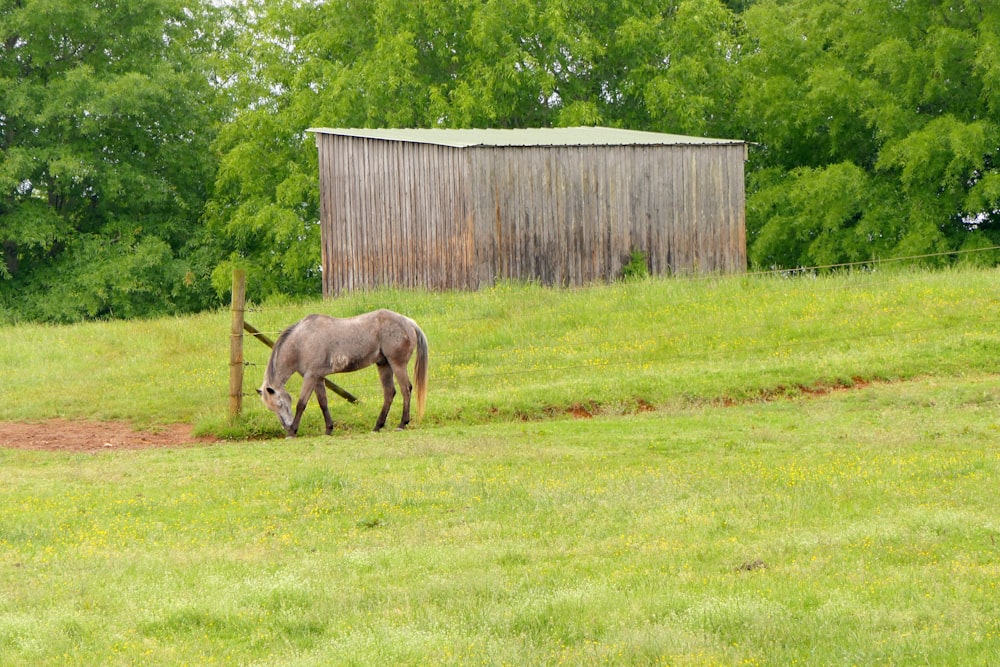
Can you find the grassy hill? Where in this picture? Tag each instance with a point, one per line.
(725, 503)
(527, 352)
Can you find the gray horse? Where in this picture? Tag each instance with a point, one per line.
(318, 345)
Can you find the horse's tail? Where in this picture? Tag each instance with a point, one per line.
(420, 371)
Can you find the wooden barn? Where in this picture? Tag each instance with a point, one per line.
(461, 209)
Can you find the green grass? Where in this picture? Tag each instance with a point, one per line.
(748, 520)
(527, 352)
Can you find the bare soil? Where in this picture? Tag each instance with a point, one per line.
(71, 435)
(65, 435)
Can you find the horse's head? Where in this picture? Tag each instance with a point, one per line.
(278, 401)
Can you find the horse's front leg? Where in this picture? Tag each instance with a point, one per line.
(308, 384)
(321, 399)
(388, 392)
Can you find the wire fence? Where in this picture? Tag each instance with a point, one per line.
(705, 355)
(671, 355)
(788, 273)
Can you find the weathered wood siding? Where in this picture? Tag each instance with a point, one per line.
(423, 215)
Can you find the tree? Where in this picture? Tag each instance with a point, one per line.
(106, 118)
(148, 144)
(877, 129)
(643, 64)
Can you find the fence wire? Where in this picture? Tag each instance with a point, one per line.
(431, 320)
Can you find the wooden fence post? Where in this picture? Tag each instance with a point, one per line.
(236, 344)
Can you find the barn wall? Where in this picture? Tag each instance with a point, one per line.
(394, 213)
(572, 215)
(422, 215)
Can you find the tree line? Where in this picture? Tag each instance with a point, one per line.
(147, 147)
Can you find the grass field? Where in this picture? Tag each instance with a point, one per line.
(776, 471)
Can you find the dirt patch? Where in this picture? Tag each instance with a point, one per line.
(66, 435)
(857, 382)
(752, 566)
(793, 392)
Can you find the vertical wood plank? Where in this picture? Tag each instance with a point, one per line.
(412, 215)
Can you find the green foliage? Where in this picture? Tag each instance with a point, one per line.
(816, 217)
(393, 63)
(872, 122)
(693, 69)
(637, 267)
(107, 119)
(168, 140)
(898, 94)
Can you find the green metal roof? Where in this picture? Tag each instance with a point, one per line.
(563, 136)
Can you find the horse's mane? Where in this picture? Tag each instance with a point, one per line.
(282, 338)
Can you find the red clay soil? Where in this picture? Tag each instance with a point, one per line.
(66, 435)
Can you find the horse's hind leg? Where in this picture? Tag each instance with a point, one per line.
(388, 392)
(406, 388)
(321, 399)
